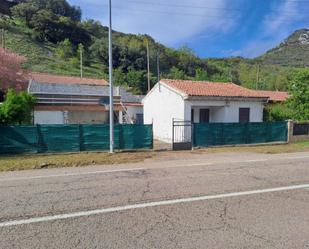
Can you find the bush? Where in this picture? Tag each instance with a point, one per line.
(17, 108)
(277, 112)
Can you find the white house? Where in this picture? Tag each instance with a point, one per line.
(74, 100)
(200, 102)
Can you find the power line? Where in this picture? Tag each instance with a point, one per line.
(206, 7)
(281, 18)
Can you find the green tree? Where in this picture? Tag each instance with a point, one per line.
(277, 112)
(65, 49)
(17, 108)
(176, 73)
(299, 90)
(201, 75)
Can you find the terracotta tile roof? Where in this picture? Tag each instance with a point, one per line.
(50, 78)
(212, 89)
(276, 96)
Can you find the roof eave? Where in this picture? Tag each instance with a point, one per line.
(191, 97)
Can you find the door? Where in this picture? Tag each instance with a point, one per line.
(244, 115)
(182, 135)
(204, 116)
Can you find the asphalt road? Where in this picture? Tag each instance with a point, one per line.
(185, 201)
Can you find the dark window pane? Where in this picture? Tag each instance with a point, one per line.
(204, 115)
(244, 115)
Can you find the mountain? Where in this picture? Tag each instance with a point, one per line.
(50, 37)
(294, 51)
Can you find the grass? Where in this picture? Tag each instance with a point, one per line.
(302, 146)
(25, 162)
(41, 57)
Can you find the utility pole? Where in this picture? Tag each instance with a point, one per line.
(148, 65)
(257, 76)
(3, 38)
(158, 66)
(81, 48)
(111, 92)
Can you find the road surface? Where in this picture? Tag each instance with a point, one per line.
(231, 200)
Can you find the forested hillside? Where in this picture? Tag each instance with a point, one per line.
(51, 34)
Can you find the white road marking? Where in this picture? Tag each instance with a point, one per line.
(147, 205)
(138, 169)
(296, 157)
(256, 160)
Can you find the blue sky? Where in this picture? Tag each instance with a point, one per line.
(212, 28)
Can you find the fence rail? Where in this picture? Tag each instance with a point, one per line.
(300, 129)
(216, 134)
(72, 138)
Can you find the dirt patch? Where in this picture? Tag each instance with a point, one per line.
(23, 162)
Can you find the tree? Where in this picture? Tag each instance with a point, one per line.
(52, 20)
(65, 49)
(17, 108)
(299, 90)
(11, 73)
(201, 75)
(277, 112)
(176, 73)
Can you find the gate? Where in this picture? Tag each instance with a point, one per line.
(182, 135)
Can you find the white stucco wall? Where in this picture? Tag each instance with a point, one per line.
(225, 111)
(161, 105)
(256, 111)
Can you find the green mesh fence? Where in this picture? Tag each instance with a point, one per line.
(21, 139)
(72, 138)
(216, 134)
(136, 136)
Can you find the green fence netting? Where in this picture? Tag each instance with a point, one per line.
(216, 134)
(21, 139)
(72, 138)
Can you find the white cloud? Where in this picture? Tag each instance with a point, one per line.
(276, 26)
(167, 21)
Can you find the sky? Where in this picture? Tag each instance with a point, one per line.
(212, 28)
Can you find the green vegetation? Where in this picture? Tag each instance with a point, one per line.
(17, 108)
(277, 112)
(299, 101)
(49, 32)
(294, 51)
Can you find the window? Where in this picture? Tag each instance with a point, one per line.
(244, 115)
(204, 116)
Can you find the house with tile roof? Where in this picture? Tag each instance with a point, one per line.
(200, 102)
(74, 100)
(276, 96)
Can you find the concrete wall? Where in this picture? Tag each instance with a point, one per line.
(49, 117)
(161, 105)
(291, 137)
(80, 117)
(70, 117)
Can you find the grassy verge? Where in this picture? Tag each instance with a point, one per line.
(23, 162)
(268, 149)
